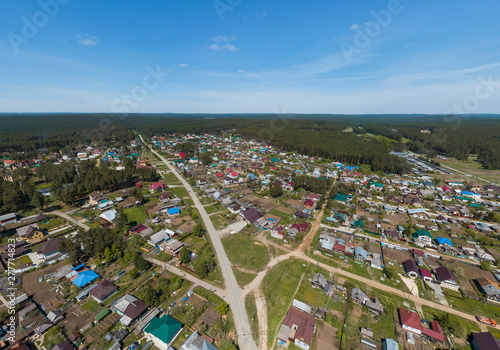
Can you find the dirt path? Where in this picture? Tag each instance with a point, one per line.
(260, 302)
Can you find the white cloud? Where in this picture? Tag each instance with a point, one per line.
(241, 71)
(90, 41)
(183, 65)
(223, 38)
(355, 27)
(228, 47)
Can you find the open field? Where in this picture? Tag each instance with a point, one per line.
(251, 308)
(243, 278)
(279, 286)
(245, 252)
(473, 167)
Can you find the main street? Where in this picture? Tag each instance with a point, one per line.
(243, 329)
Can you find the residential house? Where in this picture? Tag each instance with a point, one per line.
(164, 197)
(411, 268)
(96, 198)
(485, 341)
(197, 342)
(319, 281)
(251, 215)
(172, 247)
(49, 250)
(373, 304)
(422, 238)
(163, 331)
(156, 186)
(30, 233)
(130, 308)
(490, 289)
(8, 219)
(102, 291)
(298, 327)
(446, 278)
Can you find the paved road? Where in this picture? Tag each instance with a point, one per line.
(243, 329)
(70, 219)
(221, 293)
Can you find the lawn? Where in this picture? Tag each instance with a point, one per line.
(213, 208)
(245, 252)
(279, 285)
(180, 192)
(280, 213)
(243, 278)
(51, 223)
(251, 309)
(181, 339)
(219, 221)
(474, 307)
(136, 215)
(171, 179)
(92, 306)
(211, 297)
(25, 259)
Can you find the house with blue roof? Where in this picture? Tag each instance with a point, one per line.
(473, 195)
(360, 254)
(174, 211)
(443, 240)
(84, 278)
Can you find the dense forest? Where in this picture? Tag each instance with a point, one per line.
(69, 182)
(351, 139)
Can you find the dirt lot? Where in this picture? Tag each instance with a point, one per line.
(187, 226)
(398, 255)
(326, 337)
(286, 210)
(210, 317)
(42, 292)
(76, 318)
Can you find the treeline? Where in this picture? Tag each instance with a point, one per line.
(460, 139)
(70, 181)
(328, 141)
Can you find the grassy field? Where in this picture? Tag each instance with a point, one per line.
(219, 221)
(245, 252)
(25, 259)
(280, 213)
(251, 309)
(137, 214)
(473, 167)
(279, 286)
(92, 306)
(171, 179)
(180, 192)
(213, 208)
(243, 278)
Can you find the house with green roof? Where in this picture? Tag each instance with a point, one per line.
(422, 238)
(341, 197)
(163, 331)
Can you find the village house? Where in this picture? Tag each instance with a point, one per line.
(298, 327)
(446, 278)
(373, 304)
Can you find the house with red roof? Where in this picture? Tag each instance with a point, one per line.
(309, 203)
(426, 275)
(410, 321)
(298, 327)
(155, 186)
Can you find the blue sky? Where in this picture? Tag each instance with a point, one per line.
(242, 56)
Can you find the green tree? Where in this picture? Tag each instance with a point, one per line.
(485, 265)
(198, 230)
(184, 255)
(275, 190)
(38, 200)
(223, 308)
